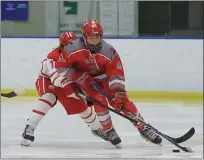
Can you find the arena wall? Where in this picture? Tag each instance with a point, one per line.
(154, 68)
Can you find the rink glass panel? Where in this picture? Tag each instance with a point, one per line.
(119, 19)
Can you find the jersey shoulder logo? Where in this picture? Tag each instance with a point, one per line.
(119, 65)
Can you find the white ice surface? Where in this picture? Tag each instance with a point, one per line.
(62, 136)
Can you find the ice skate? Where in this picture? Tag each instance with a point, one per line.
(104, 138)
(28, 136)
(100, 133)
(114, 138)
(149, 135)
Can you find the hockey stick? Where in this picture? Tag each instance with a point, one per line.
(181, 139)
(13, 93)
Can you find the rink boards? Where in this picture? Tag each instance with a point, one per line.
(158, 96)
(156, 69)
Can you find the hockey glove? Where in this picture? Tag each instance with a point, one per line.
(120, 100)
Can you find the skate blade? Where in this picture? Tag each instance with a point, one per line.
(98, 136)
(152, 142)
(118, 146)
(26, 142)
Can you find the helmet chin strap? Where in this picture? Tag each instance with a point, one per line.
(61, 47)
(91, 47)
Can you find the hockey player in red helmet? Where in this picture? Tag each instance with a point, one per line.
(49, 94)
(92, 33)
(45, 91)
(113, 84)
(91, 54)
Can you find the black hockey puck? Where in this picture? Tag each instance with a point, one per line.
(176, 150)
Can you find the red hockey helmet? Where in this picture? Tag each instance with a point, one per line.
(67, 37)
(92, 27)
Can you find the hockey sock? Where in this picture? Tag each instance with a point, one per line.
(45, 103)
(131, 107)
(104, 117)
(89, 117)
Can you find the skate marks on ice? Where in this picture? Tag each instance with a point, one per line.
(75, 149)
(62, 136)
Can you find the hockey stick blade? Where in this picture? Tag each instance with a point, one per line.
(181, 139)
(13, 93)
(185, 137)
(185, 149)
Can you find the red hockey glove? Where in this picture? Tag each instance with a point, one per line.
(120, 99)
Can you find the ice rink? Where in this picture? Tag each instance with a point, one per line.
(62, 136)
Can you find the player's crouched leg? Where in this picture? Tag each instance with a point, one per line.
(45, 103)
(102, 114)
(89, 117)
(104, 118)
(74, 104)
(147, 133)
